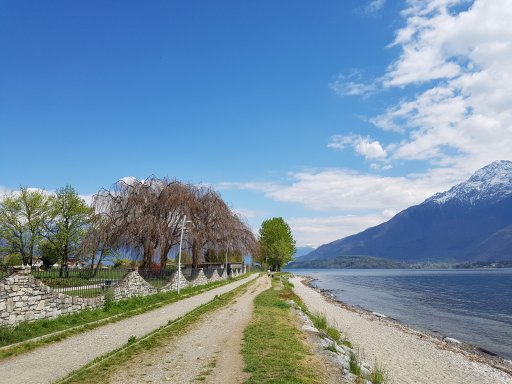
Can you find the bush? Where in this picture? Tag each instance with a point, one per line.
(109, 300)
(13, 259)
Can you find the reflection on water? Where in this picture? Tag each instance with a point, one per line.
(474, 306)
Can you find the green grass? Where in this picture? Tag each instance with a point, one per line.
(272, 350)
(67, 325)
(101, 369)
(319, 321)
(354, 366)
(377, 376)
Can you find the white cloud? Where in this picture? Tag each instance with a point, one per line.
(374, 6)
(250, 213)
(352, 85)
(315, 231)
(341, 190)
(370, 149)
(461, 117)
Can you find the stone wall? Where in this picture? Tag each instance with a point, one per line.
(190, 278)
(24, 298)
(131, 285)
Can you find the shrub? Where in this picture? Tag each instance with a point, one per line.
(109, 300)
(13, 259)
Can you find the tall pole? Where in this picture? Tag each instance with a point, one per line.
(179, 253)
(227, 245)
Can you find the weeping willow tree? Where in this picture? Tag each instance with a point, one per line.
(147, 215)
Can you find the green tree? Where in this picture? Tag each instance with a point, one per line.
(22, 218)
(277, 245)
(69, 217)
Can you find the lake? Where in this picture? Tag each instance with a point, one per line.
(474, 306)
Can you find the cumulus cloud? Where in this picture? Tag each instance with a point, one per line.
(341, 190)
(463, 118)
(370, 149)
(460, 52)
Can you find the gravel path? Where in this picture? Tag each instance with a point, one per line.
(57, 360)
(406, 356)
(209, 352)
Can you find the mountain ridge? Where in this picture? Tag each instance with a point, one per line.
(472, 221)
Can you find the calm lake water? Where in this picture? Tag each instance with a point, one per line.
(474, 306)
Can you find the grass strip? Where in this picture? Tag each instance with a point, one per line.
(31, 335)
(100, 369)
(273, 350)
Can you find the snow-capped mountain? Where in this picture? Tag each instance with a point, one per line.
(492, 182)
(470, 222)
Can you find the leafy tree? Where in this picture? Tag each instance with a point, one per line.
(49, 254)
(22, 217)
(69, 217)
(277, 245)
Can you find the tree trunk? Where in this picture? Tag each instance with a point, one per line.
(146, 258)
(163, 256)
(196, 254)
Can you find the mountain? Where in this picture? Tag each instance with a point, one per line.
(301, 251)
(472, 222)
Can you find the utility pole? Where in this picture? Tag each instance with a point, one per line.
(179, 253)
(227, 248)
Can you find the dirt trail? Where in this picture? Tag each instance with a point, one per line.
(209, 353)
(57, 360)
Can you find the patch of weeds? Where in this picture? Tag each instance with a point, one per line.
(109, 300)
(354, 366)
(377, 376)
(347, 343)
(132, 339)
(332, 347)
(319, 321)
(333, 333)
(212, 364)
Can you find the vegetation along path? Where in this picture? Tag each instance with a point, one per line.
(57, 360)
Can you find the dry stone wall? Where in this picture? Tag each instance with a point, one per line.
(132, 285)
(24, 298)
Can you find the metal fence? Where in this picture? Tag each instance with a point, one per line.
(157, 277)
(84, 282)
(3, 270)
(87, 282)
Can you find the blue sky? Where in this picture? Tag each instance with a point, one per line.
(334, 115)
